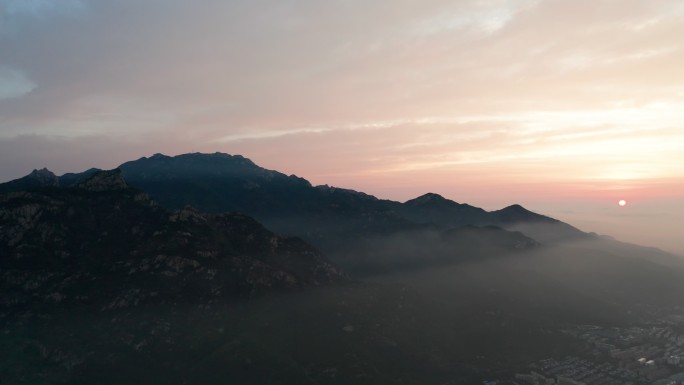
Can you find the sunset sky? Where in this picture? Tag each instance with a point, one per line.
(564, 106)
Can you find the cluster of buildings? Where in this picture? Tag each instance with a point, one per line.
(635, 347)
(650, 354)
(577, 371)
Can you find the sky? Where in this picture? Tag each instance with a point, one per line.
(564, 106)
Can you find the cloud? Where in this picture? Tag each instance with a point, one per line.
(14, 83)
(530, 87)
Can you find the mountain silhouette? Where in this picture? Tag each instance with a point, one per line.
(326, 216)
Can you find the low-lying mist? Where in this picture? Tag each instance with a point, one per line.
(652, 222)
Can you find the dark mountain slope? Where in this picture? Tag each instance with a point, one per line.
(357, 230)
(346, 224)
(219, 182)
(45, 178)
(36, 179)
(539, 227)
(433, 208)
(107, 245)
(72, 179)
(326, 216)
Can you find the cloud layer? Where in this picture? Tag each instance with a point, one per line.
(558, 98)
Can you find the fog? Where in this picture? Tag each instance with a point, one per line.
(652, 222)
(421, 305)
(466, 320)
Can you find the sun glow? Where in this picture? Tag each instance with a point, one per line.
(622, 202)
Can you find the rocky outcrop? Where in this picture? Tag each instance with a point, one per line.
(108, 246)
(110, 180)
(44, 177)
(36, 179)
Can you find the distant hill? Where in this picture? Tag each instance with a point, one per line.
(433, 208)
(45, 178)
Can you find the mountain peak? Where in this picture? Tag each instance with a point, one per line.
(109, 180)
(427, 199)
(159, 155)
(160, 166)
(38, 178)
(432, 196)
(515, 208)
(44, 176)
(517, 213)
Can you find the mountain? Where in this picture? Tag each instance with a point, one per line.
(107, 245)
(345, 224)
(45, 178)
(324, 215)
(539, 227)
(72, 179)
(217, 183)
(36, 179)
(355, 229)
(434, 208)
(221, 182)
(359, 232)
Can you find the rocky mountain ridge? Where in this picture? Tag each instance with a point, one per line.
(105, 244)
(353, 228)
(220, 182)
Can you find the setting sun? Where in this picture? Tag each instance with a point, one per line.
(622, 202)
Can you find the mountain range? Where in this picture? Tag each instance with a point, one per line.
(209, 268)
(324, 216)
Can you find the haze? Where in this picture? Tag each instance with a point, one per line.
(564, 107)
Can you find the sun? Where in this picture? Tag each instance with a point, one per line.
(622, 202)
